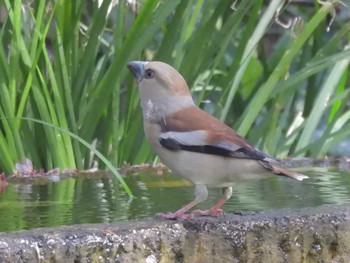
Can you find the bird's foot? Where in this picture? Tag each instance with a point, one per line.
(174, 216)
(210, 212)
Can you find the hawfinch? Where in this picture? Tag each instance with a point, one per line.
(194, 144)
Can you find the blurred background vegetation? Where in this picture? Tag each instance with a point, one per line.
(277, 71)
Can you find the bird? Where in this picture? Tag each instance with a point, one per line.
(193, 143)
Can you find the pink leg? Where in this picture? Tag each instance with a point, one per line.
(216, 209)
(201, 193)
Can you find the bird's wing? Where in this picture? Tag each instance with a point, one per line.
(195, 141)
(195, 130)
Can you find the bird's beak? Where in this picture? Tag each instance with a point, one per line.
(137, 69)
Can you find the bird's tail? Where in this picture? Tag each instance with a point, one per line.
(283, 171)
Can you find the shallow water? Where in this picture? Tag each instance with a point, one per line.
(97, 198)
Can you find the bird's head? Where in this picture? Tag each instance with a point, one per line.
(162, 89)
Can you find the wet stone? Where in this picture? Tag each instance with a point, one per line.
(319, 234)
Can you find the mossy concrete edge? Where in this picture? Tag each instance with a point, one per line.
(320, 234)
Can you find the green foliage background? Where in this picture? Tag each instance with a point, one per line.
(63, 63)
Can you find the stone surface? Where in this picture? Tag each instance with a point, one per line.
(305, 235)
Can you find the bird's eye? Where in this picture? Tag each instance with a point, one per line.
(149, 74)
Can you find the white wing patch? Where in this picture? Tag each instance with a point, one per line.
(187, 138)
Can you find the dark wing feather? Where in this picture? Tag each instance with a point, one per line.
(174, 145)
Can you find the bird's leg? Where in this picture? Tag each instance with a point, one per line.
(201, 193)
(216, 209)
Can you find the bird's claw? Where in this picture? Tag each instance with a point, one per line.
(210, 212)
(173, 216)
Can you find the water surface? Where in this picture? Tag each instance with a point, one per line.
(97, 198)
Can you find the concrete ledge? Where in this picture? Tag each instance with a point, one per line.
(305, 235)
